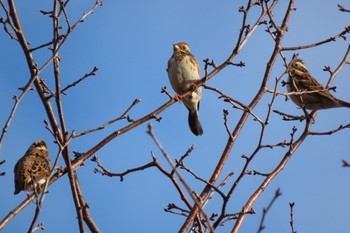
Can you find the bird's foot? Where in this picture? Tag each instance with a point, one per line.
(194, 87)
(178, 97)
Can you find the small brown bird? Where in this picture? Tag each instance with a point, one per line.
(183, 72)
(33, 169)
(300, 80)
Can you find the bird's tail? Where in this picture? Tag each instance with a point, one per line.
(194, 123)
(344, 103)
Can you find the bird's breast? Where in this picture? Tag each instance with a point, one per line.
(182, 74)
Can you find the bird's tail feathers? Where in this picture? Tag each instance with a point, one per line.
(194, 123)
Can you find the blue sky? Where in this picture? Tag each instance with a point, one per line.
(130, 42)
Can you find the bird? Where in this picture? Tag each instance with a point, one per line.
(183, 71)
(33, 169)
(300, 80)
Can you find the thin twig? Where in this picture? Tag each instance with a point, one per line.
(298, 93)
(63, 9)
(121, 117)
(180, 211)
(64, 37)
(213, 190)
(226, 112)
(291, 222)
(154, 163)
(234, 216)
(341, 127)
(43, 45)
(182, 180)
(233, 102)
(279, 144)
(2, 162)
(272, 20)
(164, 90)
(274, 96)
(182, 166)
(343, 9)
(7, 21)
(182, 158)
(105, 172)
(40, 226)
(340, 66)
(333, 38)
(266, 210)
(91, 73)
(288, 117)
(345, 163)
(14, 108)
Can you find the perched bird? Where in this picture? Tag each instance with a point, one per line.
(300, 80)
(183, 72)
(33, 169)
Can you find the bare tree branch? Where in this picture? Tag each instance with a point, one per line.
(121, 117)
(104, 171)
(266, 210)
(291, 222)
(341, 127)
(346, 163)
(240, 43)
(333, 38)
(254, 15)
(343, 9)
(182, 180)
(91, 73)
(340, 66)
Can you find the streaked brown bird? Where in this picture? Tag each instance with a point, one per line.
(300, 80)
(183, 72)
(33, 169)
